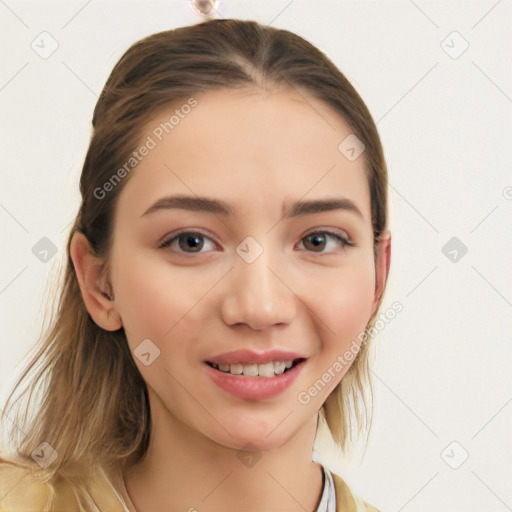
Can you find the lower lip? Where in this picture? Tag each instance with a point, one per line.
(253, 388)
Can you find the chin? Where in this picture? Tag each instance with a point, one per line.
(252, 441)
(254, 434)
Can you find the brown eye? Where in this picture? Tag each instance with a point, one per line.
(191, 241)
(317, 241)
(188, 242)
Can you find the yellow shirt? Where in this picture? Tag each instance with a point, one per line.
(20, 492)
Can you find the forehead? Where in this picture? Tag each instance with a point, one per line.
(251, 148)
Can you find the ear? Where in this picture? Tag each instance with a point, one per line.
(382, 268)
(95, 289)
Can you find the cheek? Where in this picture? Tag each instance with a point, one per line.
(140, 303)
(153, 297)
(161, 304)
(344, 304)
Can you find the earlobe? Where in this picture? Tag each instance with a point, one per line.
(96, 291)
(382, 267)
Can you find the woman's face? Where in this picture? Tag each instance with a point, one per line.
(247, 272)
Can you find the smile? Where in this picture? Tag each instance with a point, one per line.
(270, 369)
(254, 381)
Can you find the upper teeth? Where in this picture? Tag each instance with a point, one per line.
(254, 370)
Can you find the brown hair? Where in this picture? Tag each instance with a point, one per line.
(94, 407)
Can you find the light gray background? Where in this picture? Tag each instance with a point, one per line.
(442, 368)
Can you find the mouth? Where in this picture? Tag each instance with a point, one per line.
(254, 381)
(270, 369)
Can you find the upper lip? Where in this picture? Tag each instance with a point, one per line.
(251, 356)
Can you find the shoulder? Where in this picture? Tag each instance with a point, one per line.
(346, 500)
(21, 490)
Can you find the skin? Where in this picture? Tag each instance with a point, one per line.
(255, 150)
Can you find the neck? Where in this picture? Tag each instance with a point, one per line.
(184, 470)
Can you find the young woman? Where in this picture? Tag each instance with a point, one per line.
(230, 253)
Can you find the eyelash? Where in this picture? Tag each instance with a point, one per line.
(345, 242)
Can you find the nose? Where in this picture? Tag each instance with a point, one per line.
(257, 295)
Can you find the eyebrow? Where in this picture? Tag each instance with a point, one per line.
(217, 206)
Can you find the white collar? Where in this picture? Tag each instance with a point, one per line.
(328, 499)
